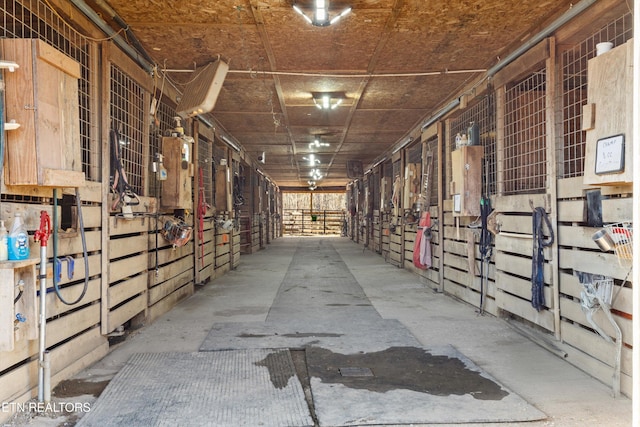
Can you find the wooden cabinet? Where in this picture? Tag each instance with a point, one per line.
(42, 96)
(466, 183)
(177, 188)
(12, 274)
(608, 118)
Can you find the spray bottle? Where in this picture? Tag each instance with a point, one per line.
(18, 240)
(4, 242)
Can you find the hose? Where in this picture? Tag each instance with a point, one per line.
(84, 248)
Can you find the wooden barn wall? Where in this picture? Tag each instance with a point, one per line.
(256, 232)
(461, 266)
(206, 251)
(73, 334)
(174, 279)
(578, 253)
(506, 291)
(235, 250)
(430, 275)
(514, 257)
(133, 274)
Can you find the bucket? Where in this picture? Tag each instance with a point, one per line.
(603, 240)
(603, 47)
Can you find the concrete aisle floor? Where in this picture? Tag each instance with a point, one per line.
(567, 395)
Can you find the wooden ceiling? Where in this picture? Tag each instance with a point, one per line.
(397, 62)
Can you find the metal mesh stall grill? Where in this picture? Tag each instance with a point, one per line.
(205, 160)
(37, 20)
(483, 113)
(396, 169)
(524, 158)
(396, 175)
(387, 174)
(376, 191)
(127, 111)
(574, 91)
(414, 153)
(432, 146)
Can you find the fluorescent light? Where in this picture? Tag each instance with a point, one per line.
(321, 14)
(315, 175)
(317, 144)
(297, 9)
(321, 11)
(328, 100)
(312, 160)
(337, 18)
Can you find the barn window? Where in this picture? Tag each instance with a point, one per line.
(524, 157)
(127, 113)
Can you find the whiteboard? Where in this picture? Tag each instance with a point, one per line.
(610, 155)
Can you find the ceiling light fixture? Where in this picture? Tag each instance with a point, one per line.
(315, 175)
(327, 101)
(312, 160)
(317, 144)
(321, 14)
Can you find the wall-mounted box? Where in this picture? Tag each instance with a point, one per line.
(176, 189)
(466, 183)
(26, 308)
(42, 96)
(609, 130)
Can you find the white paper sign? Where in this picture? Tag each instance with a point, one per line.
(610, 155)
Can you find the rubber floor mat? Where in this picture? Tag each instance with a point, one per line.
(224, 388)
(409, 385)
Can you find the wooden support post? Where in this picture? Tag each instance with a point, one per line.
(441, 194)
(552, 71)
(195, 160)
(104, 196)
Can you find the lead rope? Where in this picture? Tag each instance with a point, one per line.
(537, 262)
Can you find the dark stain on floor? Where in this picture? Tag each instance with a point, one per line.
(403, 368)
(280, 373)
(76, 387)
